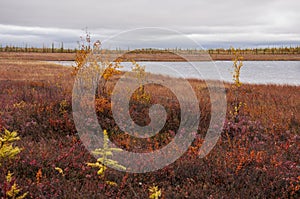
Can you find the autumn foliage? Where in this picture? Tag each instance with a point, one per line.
(257, 155)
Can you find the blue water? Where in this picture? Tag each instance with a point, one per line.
(253, 72)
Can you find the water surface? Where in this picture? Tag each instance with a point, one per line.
(253, 72)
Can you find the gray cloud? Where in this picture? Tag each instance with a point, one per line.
(208, 22)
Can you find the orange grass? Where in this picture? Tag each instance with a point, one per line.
(258, 157)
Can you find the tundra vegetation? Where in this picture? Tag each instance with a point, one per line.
(257, 155)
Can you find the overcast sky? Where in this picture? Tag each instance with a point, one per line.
(212, 23)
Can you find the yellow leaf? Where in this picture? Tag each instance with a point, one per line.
(155, 193)
(9, 176)
(111, 183)
(13, 190)
(22, 196)
(59, 171)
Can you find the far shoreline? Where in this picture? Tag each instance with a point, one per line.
(162, 57)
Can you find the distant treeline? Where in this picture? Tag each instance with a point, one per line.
(44, 49)
(259, 51)
(282, 50)
(221, 51)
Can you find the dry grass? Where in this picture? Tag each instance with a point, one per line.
(255, 158)
(37, 56)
